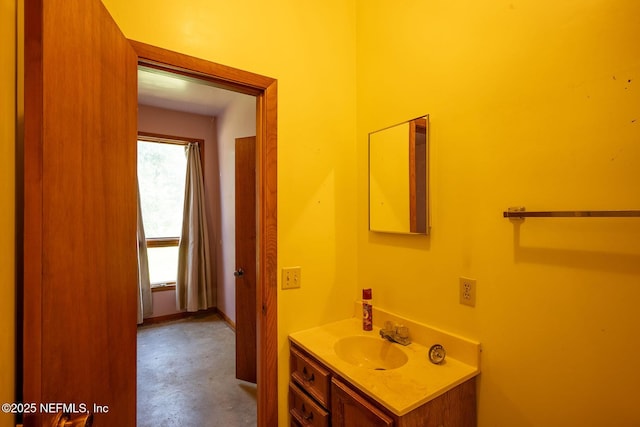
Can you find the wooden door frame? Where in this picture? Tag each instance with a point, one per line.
(265, 90)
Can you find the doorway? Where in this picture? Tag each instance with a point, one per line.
(265, 91)
(193, 110)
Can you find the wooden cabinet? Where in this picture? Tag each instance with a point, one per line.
(320, 397)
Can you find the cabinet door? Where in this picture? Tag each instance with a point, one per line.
(349, 409)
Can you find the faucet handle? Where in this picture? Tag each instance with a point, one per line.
(402, 331)
(388, 326)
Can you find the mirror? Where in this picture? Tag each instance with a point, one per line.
(398, 171)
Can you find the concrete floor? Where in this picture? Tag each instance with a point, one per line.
(186, 376)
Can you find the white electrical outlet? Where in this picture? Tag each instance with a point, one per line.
(468, 291)
(291, 277)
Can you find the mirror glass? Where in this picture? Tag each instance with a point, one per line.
(398, 174)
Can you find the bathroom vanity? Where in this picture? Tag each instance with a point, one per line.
(332, 384)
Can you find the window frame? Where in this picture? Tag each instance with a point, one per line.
(170, 241)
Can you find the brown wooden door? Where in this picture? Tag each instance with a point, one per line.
(79, 254)
(246, 297)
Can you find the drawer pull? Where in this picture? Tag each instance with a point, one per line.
(306, 376)
(307, 416)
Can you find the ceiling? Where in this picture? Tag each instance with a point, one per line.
(175, 92)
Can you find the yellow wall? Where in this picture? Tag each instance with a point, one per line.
(534, 104)
(310, 48)
(7, 204)
(530, 103)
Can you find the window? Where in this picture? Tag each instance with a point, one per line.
(161, 179)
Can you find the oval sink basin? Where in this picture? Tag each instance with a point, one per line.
(370, 352)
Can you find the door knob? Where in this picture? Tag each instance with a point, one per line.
(239, 272)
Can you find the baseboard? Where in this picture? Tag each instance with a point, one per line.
(226, 318)
(180, 316)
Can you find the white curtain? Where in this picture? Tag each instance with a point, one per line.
(194, 289)
(145, 308)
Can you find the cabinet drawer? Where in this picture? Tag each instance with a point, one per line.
(304, 411)
(311, 377)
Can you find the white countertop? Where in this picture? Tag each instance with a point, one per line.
(401, 389)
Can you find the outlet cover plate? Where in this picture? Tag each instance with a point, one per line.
(468, 291)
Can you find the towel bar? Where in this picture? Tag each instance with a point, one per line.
(521, 213)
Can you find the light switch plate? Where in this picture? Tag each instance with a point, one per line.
(291, 277)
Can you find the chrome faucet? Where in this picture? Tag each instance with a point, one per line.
(395, 333)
